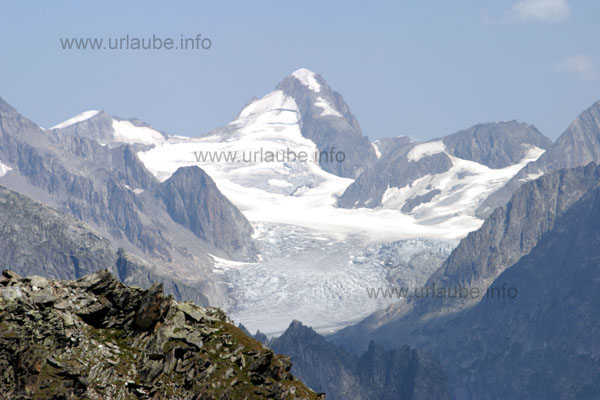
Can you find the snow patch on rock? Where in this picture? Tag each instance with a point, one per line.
(78, 118)
(426, 149)
(307, 78)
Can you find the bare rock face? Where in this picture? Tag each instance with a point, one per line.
(97, 338)
(71, 248)
(578, 146)
(341, 133)
(193, 200)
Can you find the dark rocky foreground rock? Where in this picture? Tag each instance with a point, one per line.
(96, 338)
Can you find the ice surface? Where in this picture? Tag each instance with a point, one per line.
(314, 277)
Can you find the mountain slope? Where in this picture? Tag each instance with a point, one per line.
(109, 188)
(444, 180)
(507, 235)
(38, 240)
(193, 200)
(543, 343)
(496, 145)
(108, 130)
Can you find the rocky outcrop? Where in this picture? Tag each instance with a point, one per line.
(96, 338)
(379, 374)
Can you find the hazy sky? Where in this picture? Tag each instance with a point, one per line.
(420, 68)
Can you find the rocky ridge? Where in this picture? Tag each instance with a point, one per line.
(97, 338)
(400, 373)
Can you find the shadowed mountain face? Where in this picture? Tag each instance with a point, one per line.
(544, 343)
(193, 200)
(403, 373)
(579, 145)
(109, 188)
(494, 145)
(37, 240)
(540, 343)
(513, 230)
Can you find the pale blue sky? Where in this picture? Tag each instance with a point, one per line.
(421, 68)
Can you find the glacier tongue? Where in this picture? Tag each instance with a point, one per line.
(314, 277)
